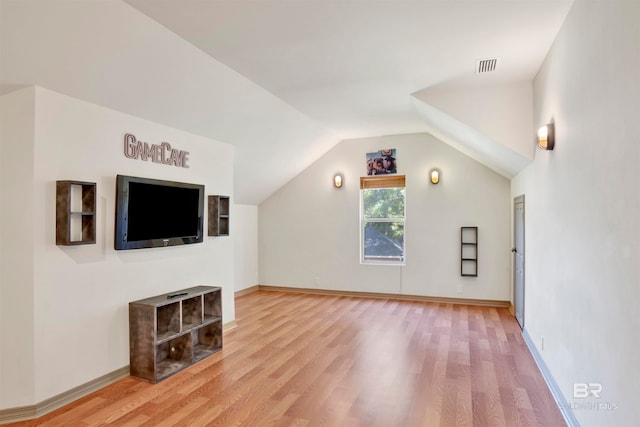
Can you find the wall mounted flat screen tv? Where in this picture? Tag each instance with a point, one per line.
(154, 213)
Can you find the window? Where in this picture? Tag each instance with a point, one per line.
(382, 219)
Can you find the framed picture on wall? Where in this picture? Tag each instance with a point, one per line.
(382, 162)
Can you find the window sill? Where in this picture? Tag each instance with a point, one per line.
(383, 261)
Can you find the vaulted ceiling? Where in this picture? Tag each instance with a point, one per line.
(284, 81)
(351, 65)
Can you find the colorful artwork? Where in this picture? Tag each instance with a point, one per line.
(382, 162)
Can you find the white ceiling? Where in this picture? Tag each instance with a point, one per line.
(352, 64)
(283, 81)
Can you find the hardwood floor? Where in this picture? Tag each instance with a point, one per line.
(321, 360)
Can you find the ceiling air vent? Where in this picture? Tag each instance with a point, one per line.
(486, 65)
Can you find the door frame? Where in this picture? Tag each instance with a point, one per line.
(518, 200)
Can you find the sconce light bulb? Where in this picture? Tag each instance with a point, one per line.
(435, 176)
(542, 133)
(546, 137)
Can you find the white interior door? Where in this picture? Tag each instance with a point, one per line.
(518, 252)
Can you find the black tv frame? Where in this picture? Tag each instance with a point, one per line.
(121, 217)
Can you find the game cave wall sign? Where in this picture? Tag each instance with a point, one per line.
(158, 153)
(163, 154)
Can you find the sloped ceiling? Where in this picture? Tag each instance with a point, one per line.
(284, 81)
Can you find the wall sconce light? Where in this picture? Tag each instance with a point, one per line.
(435, 176)
(338, 180)
(546, 137)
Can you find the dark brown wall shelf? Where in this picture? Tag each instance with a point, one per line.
(218, 216)
(75, 213)
(469, 251)
(170, 332)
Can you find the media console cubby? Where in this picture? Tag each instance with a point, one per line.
(170, 332)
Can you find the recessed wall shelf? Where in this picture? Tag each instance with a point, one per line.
(218, 211)
(170, 332)
(469, 251)
(75, 213)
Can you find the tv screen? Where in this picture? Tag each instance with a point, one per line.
(155, 213)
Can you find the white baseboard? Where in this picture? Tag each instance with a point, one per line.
(30, 412)
(229, 326)
(404, 297)
(565, 408)
(39, 409)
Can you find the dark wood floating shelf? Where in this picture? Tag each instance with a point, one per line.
(75, 213)
(469, 251)
(218, 215)
(170, 332)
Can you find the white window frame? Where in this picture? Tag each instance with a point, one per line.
(382, 182)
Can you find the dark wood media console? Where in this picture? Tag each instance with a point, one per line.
(170, 332)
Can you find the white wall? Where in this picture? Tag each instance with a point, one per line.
(109, 53)
(81, 293)
(244, 229)
(17, 115)
(583, 211)
(503, 113)
(309, 231)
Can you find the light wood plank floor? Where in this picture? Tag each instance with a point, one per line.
(320, 360)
